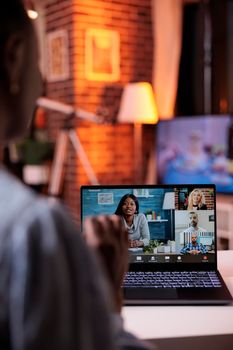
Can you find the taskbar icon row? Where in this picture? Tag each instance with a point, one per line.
(179, 258)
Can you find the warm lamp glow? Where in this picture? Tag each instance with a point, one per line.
(138, 104)
(32, 14)
(30, 7)
(138, 107)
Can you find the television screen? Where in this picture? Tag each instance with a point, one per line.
(196, 150)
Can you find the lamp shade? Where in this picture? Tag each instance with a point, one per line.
(169, 200)
(138, 104)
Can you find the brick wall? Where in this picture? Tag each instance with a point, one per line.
(109, 146)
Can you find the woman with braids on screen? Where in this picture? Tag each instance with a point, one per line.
(135, 223)
(196, 200)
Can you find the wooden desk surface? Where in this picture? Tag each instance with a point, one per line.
(150, 322)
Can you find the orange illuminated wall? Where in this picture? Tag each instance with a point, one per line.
(109, 145)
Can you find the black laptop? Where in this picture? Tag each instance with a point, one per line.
(172, 241)
(213, 342)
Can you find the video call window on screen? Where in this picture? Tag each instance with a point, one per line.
(196, 150)
(167, 223)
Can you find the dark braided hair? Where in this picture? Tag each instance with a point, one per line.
(13, 19)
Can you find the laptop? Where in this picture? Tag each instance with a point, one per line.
(172, 241)
(213, 342)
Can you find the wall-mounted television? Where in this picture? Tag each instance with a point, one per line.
(196, 150)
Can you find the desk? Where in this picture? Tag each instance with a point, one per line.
(149, 322)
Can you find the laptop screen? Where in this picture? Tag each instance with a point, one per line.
(165, 223)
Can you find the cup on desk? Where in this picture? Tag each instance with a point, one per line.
(172, 245)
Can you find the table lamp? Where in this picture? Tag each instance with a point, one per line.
(138, 106)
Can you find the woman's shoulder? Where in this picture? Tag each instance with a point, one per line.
(14, 197)
(22, 207)
(203, 207)
(141, 217)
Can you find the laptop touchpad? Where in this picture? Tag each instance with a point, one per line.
(150, 293)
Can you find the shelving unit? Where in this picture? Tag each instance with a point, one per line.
(161, 220)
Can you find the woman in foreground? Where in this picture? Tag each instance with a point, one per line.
(53, 293)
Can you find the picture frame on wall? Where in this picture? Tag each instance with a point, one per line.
(102, 55)
(105, 198)
(58, 56)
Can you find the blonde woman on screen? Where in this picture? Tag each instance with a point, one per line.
(196, 200)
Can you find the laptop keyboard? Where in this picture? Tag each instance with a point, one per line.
(172, 279)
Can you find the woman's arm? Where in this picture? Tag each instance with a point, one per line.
(144, 230)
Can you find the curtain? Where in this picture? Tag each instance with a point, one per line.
(167, 28)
